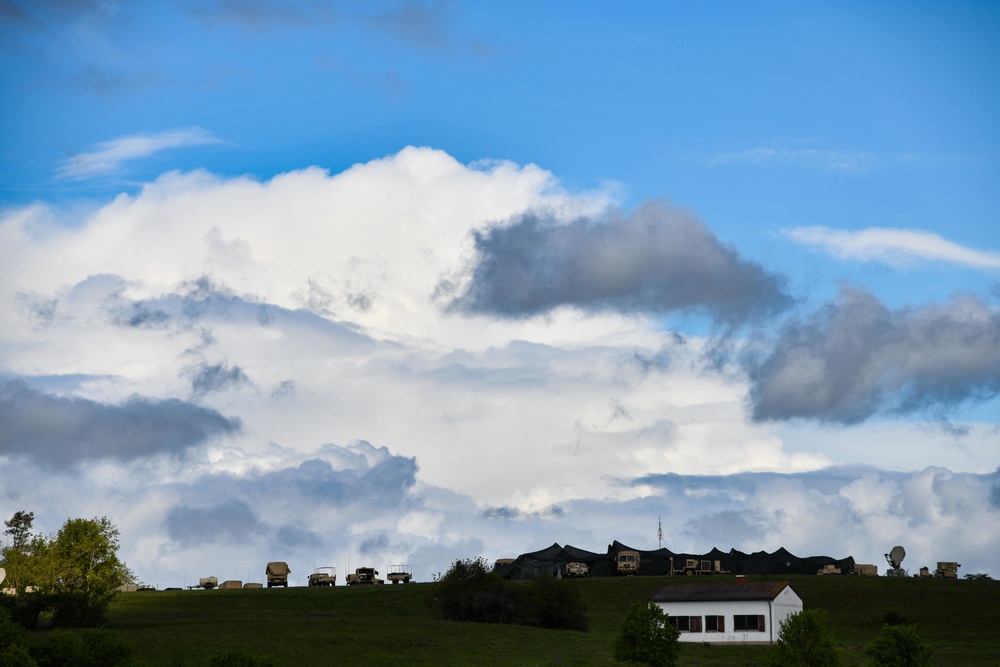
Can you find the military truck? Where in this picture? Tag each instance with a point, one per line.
(864, 570)
(323, 576)
(628, 562)
(364, 576)
(829, 568)
(575, 570)
(947, 570)
(277, 574)
(231, 585)
(400, 574)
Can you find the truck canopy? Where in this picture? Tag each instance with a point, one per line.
(278, 568)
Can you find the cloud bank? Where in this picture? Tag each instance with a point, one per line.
(322, 368)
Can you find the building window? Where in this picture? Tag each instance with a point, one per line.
(686, 623)
(715, 624)
(748, 623)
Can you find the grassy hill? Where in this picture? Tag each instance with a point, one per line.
(393, 625)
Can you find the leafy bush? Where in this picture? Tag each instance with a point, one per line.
(79, 609)
(804, 639)
(13, 643)
(25, 608)
(549, 603)
(900, 646)
(979, 576)
(470, 591)
(95, 647)
(647, 637)
(11, 633)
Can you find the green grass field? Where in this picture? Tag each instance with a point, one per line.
(393, 625)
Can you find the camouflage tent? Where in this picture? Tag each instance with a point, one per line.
(663, 561)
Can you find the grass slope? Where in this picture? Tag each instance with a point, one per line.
(393, 625)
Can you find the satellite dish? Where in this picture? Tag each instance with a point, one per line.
(3, 574)
(896, 556)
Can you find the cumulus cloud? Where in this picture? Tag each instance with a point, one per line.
(657, 260)
(319, 289)
(63, 431)
(892, 246)
(109, 156)
(857, 358)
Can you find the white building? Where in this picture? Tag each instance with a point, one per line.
(740, 613)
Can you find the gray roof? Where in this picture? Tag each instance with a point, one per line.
(750, 590)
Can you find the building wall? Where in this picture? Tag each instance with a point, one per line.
(786, 603)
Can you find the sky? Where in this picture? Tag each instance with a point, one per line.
(400, 282)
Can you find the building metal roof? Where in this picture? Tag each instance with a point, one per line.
(750, 590)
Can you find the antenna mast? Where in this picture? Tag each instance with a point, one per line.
(659, 531)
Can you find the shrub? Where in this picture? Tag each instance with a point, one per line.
(237, 657)
(647, 637)
(79, 609)
(95, 647)
(552, 603)
(25, 608)
(900, 646)
(469, 591)
(804, 639)
(11, 633)
(16, 656)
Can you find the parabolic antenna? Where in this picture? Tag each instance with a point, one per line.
(3, 574)
(896, 556)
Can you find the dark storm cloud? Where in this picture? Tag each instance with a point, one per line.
(59, 432)
(657, 260)
(857, 358)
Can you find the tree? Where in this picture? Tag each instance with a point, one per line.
(17, 554)
(85, 557)
(647, 637)
(804, 640)
(900, 646)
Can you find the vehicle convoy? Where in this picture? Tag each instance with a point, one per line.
(364, 576)
(323, 576)
(277, 574)
(575, 570)
(628, 562)
(399, 574)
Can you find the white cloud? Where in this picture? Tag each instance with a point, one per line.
(109, 156)
(304, 307)
(892, 246)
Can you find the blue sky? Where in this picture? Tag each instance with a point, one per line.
(619, 235)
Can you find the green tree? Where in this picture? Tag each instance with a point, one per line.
(900, 646)
(17, 554)
(84, 555)
(647, 637)
(804, 640)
